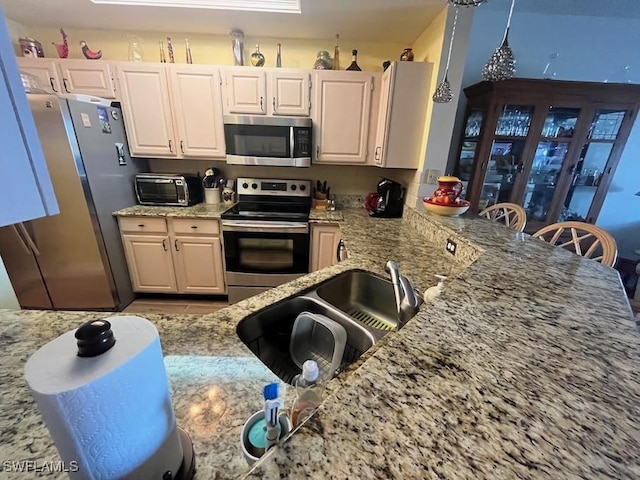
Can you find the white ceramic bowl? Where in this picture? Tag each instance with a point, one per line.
(452, 210)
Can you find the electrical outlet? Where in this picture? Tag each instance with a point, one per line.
(451, 246)
(431, 177)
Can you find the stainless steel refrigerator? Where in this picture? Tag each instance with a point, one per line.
(75, 260)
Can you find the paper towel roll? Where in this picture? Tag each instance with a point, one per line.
(112, 414)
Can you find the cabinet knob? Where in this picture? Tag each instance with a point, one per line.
(175, 243)
(52, 85)
(141, 225)
(194, 226)
(181, 146)
(170, 146)
(164, 244)
(317, 151)
(274, 104)
(64, 82)
(261, 104)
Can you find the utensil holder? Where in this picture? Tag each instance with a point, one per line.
(320, 204)
(212, 196)
(252, 455)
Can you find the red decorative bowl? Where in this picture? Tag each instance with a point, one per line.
(446, 209)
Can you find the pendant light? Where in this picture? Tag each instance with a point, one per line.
(443, 93)
(501, 65)
(466, 3)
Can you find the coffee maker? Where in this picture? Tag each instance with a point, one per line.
(387, 201)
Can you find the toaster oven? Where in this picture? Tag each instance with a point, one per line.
(168, 189)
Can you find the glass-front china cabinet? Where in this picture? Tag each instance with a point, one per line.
(550, 146)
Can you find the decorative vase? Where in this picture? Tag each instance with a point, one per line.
(323, 61)
(237, 46)
(407, 55)
(257, 58)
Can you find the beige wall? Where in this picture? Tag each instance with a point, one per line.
(341, 179)
(211, 49)
(7, 296)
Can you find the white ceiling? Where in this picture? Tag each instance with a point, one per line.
(388, 21)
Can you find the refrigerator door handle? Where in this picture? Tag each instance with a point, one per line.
(24, 245)
(28, 239)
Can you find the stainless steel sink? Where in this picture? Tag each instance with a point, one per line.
(367, 298)
(268, 333)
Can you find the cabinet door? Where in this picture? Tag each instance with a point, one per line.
(197, 105)
(45, 70)
(88, 77)
(144, 93)
(245, 91)
(383, 112)
(341, 116)
(198, 263)
(324, 246)
(150, 263)
(290, 93)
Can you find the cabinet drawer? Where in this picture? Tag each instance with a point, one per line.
(192, 226)
(143, 224)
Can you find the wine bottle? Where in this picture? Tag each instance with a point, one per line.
(336, 54)
(354, 62)
(279, 56)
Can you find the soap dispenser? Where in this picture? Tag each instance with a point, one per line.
(432, 293)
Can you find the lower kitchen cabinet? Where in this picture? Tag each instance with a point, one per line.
(187, 259)
(198, 264)
(150, 263)
(325, 246)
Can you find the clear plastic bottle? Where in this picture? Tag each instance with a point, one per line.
(309, 392)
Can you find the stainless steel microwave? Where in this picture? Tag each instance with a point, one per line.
(272, 141)
(168, 189)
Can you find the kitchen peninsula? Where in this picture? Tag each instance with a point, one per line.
(527, 366)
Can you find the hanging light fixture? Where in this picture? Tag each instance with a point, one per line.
(466, 3)
(502, 64)
(443, 93)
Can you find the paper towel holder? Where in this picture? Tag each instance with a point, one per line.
(94, 338)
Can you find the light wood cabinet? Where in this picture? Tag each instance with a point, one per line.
(72, 76)
(198, 264)
(197, 108)
(150, 263)
(290, 92)
(404, 95)
(245, 91)
(266, 92)
(325, 244)
(178, 255)
(341, 115)
(147, 110)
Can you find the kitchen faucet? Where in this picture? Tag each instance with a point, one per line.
(407, 301)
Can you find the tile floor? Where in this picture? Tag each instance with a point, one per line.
(170, 305)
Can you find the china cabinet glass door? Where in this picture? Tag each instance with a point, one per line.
(506, 154)
(592, 164)
(469, 146)
(548, 161)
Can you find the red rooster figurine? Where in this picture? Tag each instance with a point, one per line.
(88, 53)
(62, 48)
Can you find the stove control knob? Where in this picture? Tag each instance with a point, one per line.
(293, 187)
(245, 185)
(303, 187)
(254, 185)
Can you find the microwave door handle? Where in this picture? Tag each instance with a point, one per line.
(292, 142)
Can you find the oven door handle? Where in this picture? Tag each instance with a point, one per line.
(275, 227)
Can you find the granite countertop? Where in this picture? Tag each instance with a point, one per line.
(526, 366)
(200, 210)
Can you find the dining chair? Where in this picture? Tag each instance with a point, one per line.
(585, 239)
(513, 215)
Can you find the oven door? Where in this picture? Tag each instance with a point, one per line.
(266, 248)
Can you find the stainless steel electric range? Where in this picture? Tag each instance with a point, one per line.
(266, 235)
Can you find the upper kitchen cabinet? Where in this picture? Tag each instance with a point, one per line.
(245, 91)
(550, 146)
(274, 91)
(290, 92)
(27, 192)
(197, 107)
(341, 116)
(404, 95)
(144, 92)
(72, 76)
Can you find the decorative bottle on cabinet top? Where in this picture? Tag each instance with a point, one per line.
(354, 62)
(257, 58)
